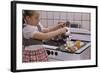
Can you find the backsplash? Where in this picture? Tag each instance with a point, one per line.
(49, 18)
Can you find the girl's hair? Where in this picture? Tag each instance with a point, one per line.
(27, 13)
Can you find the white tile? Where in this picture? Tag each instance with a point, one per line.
(62, 20)
(56, 21)
(56, 15)
(70, 16)
(77, 16)
(63, 15)
(50, 15)
(50, 23)
(66, 15)
(86, 25)
(85, 16)
(43, 14)
(78, 22)
(43, 22)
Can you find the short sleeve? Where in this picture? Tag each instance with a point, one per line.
(29, 32)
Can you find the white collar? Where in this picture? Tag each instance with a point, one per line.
(29, 25)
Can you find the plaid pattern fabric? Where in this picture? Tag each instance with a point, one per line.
(39, 55)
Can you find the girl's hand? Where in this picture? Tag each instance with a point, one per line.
(61, 24)
(64, 29)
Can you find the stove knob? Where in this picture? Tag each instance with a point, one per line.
(52, 52)
(56, 53)
(48, 52)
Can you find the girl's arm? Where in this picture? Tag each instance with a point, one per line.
(53, 28)
(48, 35)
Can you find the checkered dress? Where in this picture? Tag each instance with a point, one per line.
(39, 55)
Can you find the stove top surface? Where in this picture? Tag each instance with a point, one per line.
(59, 46)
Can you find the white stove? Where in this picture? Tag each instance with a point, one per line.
(76, 34)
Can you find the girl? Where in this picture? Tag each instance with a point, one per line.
(35, 31)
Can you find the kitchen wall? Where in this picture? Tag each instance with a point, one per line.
(49, 18)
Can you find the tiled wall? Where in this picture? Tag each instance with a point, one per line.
(49, 18)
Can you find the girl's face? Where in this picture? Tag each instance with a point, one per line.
(33, 20)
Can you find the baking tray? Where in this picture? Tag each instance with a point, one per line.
(84, 46)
